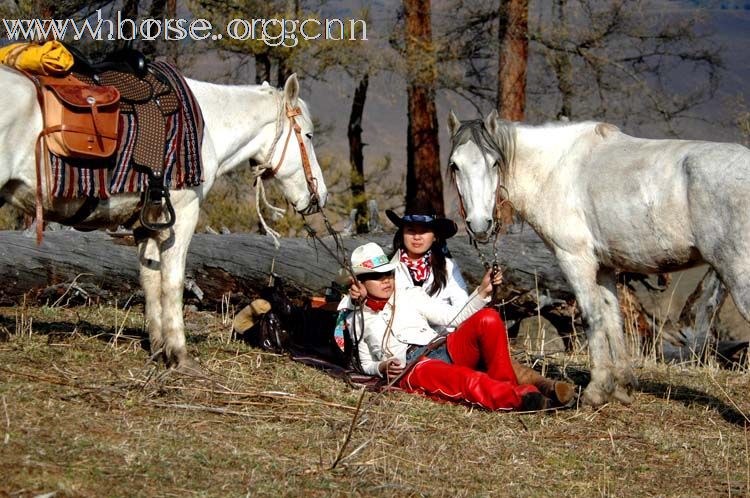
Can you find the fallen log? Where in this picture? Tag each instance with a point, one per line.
(101, 267)
(74, 267)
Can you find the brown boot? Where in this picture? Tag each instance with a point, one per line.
(558, 391)
(534, 402)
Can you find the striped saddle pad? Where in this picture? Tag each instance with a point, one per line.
(183, 166)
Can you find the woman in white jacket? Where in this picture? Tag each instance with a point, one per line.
(396, 324)
(421, 259)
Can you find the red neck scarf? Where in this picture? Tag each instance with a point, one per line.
(376, 304)
(418, 269)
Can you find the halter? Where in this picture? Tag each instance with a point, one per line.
(497, 228)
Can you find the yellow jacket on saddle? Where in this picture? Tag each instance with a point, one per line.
(52, 58)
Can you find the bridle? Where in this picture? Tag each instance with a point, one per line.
(268, 171)
(497, 226)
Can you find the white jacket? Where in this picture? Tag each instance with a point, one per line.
(453, 294)
(415, 313)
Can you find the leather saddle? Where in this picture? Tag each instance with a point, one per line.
(122, 61)
(126, 83)
(143, 92)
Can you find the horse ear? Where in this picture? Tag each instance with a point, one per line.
(291, 90)
(490, 122)
(453, 123)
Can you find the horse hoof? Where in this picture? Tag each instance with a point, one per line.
(595, 397)
(189, 366)
(623, 395)
(625, 377)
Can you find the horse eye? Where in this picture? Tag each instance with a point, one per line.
(309, 136)
(453, 166)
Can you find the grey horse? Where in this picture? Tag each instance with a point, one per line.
(603, 200)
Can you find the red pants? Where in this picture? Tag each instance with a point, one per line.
(480, 340)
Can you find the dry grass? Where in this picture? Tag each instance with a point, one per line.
(83, 413)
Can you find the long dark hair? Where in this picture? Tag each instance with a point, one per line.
(437, 260)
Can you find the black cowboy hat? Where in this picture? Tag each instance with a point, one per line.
(443, 227)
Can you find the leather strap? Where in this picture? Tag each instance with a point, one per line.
(312, 184)
(39, 156)
(67, 127)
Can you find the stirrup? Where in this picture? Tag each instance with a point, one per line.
(153, 196)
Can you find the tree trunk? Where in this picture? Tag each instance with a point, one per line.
(45, 9)
(73, 267)
(514, 47)
(172, 48)
(262, 68)
(356, 158)
(562, 67)
(129, 11)
(283, 71)
(511, 76)
(424, 183)
(158, 10)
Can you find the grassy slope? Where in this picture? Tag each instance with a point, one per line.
(84, 415)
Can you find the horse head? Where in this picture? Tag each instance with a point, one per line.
(477, 167)
(290, 157)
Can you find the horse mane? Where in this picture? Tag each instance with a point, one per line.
(502, 145)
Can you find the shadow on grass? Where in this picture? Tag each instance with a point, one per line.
(60, 330)
(690, 397)
(665, 390)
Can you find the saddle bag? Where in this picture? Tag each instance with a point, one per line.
(80, 120)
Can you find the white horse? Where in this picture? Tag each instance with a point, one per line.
(603, 200)
(241, 123)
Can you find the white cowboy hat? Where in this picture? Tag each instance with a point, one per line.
(370, 258)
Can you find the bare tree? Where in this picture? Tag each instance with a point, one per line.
(629, 61)
(424, 184)
(513, 35)
(267, 57)
(356, 154)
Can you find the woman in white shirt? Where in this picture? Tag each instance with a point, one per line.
(396, 324)
(422, 259)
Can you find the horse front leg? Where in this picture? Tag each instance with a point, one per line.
(150, 276)
(173, 256)
(597, 314)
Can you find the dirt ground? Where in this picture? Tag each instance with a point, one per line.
(84, 413)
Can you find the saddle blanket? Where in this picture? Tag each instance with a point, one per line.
(183, 165)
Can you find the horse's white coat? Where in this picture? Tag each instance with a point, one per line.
(603, 200)
(241, 124)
